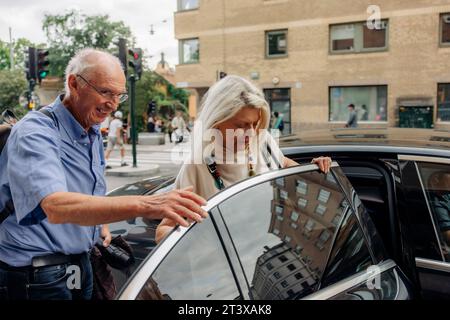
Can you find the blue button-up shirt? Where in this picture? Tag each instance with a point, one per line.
(43, 156)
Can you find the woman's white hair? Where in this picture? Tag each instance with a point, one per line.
(84, 61)
(229, 95)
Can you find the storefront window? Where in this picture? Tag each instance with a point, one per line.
(280, 101)
(370, 103)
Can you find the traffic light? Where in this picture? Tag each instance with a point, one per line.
(135, 61)
(42, 64)
(222, 75)
(122, 44)
(30, 64)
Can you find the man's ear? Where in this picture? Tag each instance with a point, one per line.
(74, 85)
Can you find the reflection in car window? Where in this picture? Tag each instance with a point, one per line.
(284, 258)
(350, 254)
(436, 181)
(195, 269)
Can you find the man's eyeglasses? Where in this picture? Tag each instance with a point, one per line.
(106, 93)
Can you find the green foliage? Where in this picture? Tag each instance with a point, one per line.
(146, 91)
(12, 84)
(70, 32)
(20, 53)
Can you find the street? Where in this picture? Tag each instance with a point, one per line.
(146, 154)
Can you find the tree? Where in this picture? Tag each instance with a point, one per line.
(70, 32)
(12, 85)
(20, 53)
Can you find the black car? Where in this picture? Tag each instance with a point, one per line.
(368, 230)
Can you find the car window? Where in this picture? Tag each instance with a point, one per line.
(350, 254)
(283, 232)
(436, 181)
(195, 269)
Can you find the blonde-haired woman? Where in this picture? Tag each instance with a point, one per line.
(232, 106)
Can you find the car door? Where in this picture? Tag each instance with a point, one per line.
(429, 218)
(287, 234)
(299, 235)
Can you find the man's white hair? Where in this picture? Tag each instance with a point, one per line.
(83, 63)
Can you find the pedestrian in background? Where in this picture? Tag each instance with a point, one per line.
(352, 117)
(178, 127)
(115, 136)
(278, 122)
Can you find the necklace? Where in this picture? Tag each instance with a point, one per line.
(215, 173)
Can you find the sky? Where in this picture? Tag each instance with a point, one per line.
(25, 18)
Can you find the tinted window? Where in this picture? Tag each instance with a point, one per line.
(296, 256)
(350, 254)
(415, 213)
(196, 268)
(436, 181)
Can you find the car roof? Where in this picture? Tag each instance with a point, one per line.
(394, 140)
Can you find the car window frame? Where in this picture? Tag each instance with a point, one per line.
(437, 160)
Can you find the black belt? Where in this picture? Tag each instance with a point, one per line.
(46, 261)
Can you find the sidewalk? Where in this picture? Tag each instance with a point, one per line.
(167, 147)
(146, 169)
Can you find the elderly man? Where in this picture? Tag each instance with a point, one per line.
(52, 172)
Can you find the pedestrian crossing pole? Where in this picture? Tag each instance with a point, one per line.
(132, 84)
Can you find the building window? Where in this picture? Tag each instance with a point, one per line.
(269, 266)
(294, 216)
(298, 249)
(184, 5)
(276, 43)
(302, 202)
(324, 236)
(302, 187)
(284, 194)
(283, 258)
(294, 225)
(370, 103)
(291, 267)
(298, 276)
(309, 226)
(287, 239)
(443, 103)
(279, 210)
(277, 275)
(189, 51)
(358, 37)
(280, 182)
(276, 231)
(284, 284)
(324, 195)
(445, 29)
(336, 220)
(280, 218)
(320, 209)
(280, 101)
